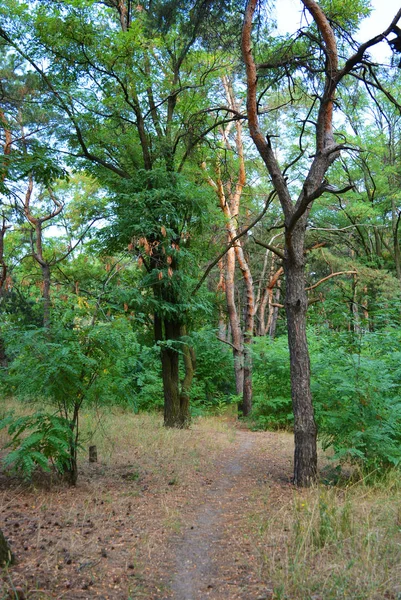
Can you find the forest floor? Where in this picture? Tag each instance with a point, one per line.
(208, 513)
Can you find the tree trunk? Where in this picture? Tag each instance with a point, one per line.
(170, 374)
(235, 326)
(221, 286)
(296, 303)
(246, 405)
(356, 321)
(189, 365)
(396, 243)
(6, 556)
(3, 356)
(45, 267)
(71, 474)
(3, 277)
(262, 313)
(274, 316)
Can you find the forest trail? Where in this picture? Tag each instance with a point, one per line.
(171, 516)
(214, 557)
(199, 549)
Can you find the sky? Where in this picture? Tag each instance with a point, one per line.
(289, 15)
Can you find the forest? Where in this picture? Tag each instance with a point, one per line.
(200, 219)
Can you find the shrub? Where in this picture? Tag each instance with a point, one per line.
(356, 388)
(272, 407)
(38, 440)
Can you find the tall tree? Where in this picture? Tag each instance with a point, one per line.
(323, 68)
(130, 81)
(229, 194)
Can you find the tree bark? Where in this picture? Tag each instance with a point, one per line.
(229, 195)
(167, 332)
(3, 278)
(37, 246)
(396, 243)
(296, 304)
(71, 474)
(45, 268)
(236, 333)
(356, 321)
(188, 355)
(170, 375)
(295, 215)
(273, 317)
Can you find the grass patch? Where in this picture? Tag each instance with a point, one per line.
(144, 443)
(139, 444)
(333, 543)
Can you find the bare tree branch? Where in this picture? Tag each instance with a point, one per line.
(312, 287)
(276, 251)
(270, 197)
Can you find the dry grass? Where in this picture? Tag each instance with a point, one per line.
(331, 543)
(128, 439)
(114, 533)
(108, 535)
(125, 438)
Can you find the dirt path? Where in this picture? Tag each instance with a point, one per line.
(213, 556)
(169, 521)
(197, 555)
(203, 514)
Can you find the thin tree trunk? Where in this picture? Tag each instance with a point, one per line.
(37, 245)
(260, 291)
(246, 405)
(3, 278)
(71, 475)
(6, 556)
(235, 326)
(396, 243)
(356, 321)
(274, 317)
(3, 355)
(229, 197)
(221, 286)
(262, 311)
(45, 268)
(170, 375)
(267, 299)
(189, 366)
(296, 304)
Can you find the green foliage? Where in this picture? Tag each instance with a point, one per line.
(71, 365)
(74, 363)
(356, 388)
(357, 395)
(346, 16)
(147, 385)
(271, 384)
(37, 441)
(213, 384)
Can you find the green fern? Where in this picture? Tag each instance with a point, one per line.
(38, 441)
